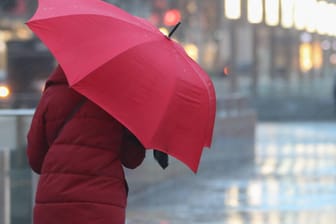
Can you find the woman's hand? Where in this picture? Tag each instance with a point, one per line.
(132, 152)
(161, 158)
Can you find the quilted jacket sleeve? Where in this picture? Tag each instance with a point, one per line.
(37, 145)
(132, 151)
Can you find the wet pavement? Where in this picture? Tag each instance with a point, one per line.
(292, 180)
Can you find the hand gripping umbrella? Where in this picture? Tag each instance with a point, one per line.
(130, 69)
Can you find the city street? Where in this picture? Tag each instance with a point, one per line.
(273, 67)
(291, 181)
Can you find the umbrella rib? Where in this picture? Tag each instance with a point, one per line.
(123, 52)
(211, 96)
(152, 28)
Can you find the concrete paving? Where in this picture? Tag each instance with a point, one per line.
(292, 180)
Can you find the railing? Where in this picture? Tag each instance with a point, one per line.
(18, 183)
(16, 179)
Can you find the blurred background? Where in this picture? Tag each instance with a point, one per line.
(283, 50)
(273, 63)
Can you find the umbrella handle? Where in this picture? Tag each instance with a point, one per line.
(174, 29)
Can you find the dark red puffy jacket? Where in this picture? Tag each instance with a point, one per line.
(81, 174)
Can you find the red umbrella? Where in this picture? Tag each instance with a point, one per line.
(129, 68)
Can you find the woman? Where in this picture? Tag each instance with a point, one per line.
(80, 159)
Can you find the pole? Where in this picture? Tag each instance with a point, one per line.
(255, 69)
(7, 187)
(233, 53)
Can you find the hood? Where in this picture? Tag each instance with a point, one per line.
(57, 77)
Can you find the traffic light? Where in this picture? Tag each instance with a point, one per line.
(172, 17)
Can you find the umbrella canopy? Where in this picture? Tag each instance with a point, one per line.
(130, 69)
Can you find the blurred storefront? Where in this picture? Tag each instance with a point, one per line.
(291, 42)
(257, 47)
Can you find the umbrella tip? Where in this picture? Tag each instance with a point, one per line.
(174, 29)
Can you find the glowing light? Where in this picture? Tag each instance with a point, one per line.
(287, 13)
(317, 55)
(4, 92)
(172, 17)
(306, 37)
(164, 30)
(285, 167)
(254, 193)
(306, 63)
(310, 20)
(272, 10)
(333, 18)
(314, 16)
(232, 196)
(192, 51)
(269, 166)
(299, 14)
(5, 35)
(255, 11)
(232, 9)
(226, 70)
(322, 18)
(2, 46)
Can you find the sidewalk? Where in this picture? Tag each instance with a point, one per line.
(290, 182)
(178, 195)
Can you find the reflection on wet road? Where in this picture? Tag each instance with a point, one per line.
(293, 181)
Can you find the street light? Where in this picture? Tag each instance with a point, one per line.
(317, 55)
(172, 17)
(322, 17)
(255, 11)
(272, 10)
(287, 13)
(299, 14)
(4, 92)
(314, 16)
(232, 9)
(306, 62)
(192, 51)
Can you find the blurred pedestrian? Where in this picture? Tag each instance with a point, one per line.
(79, 151)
